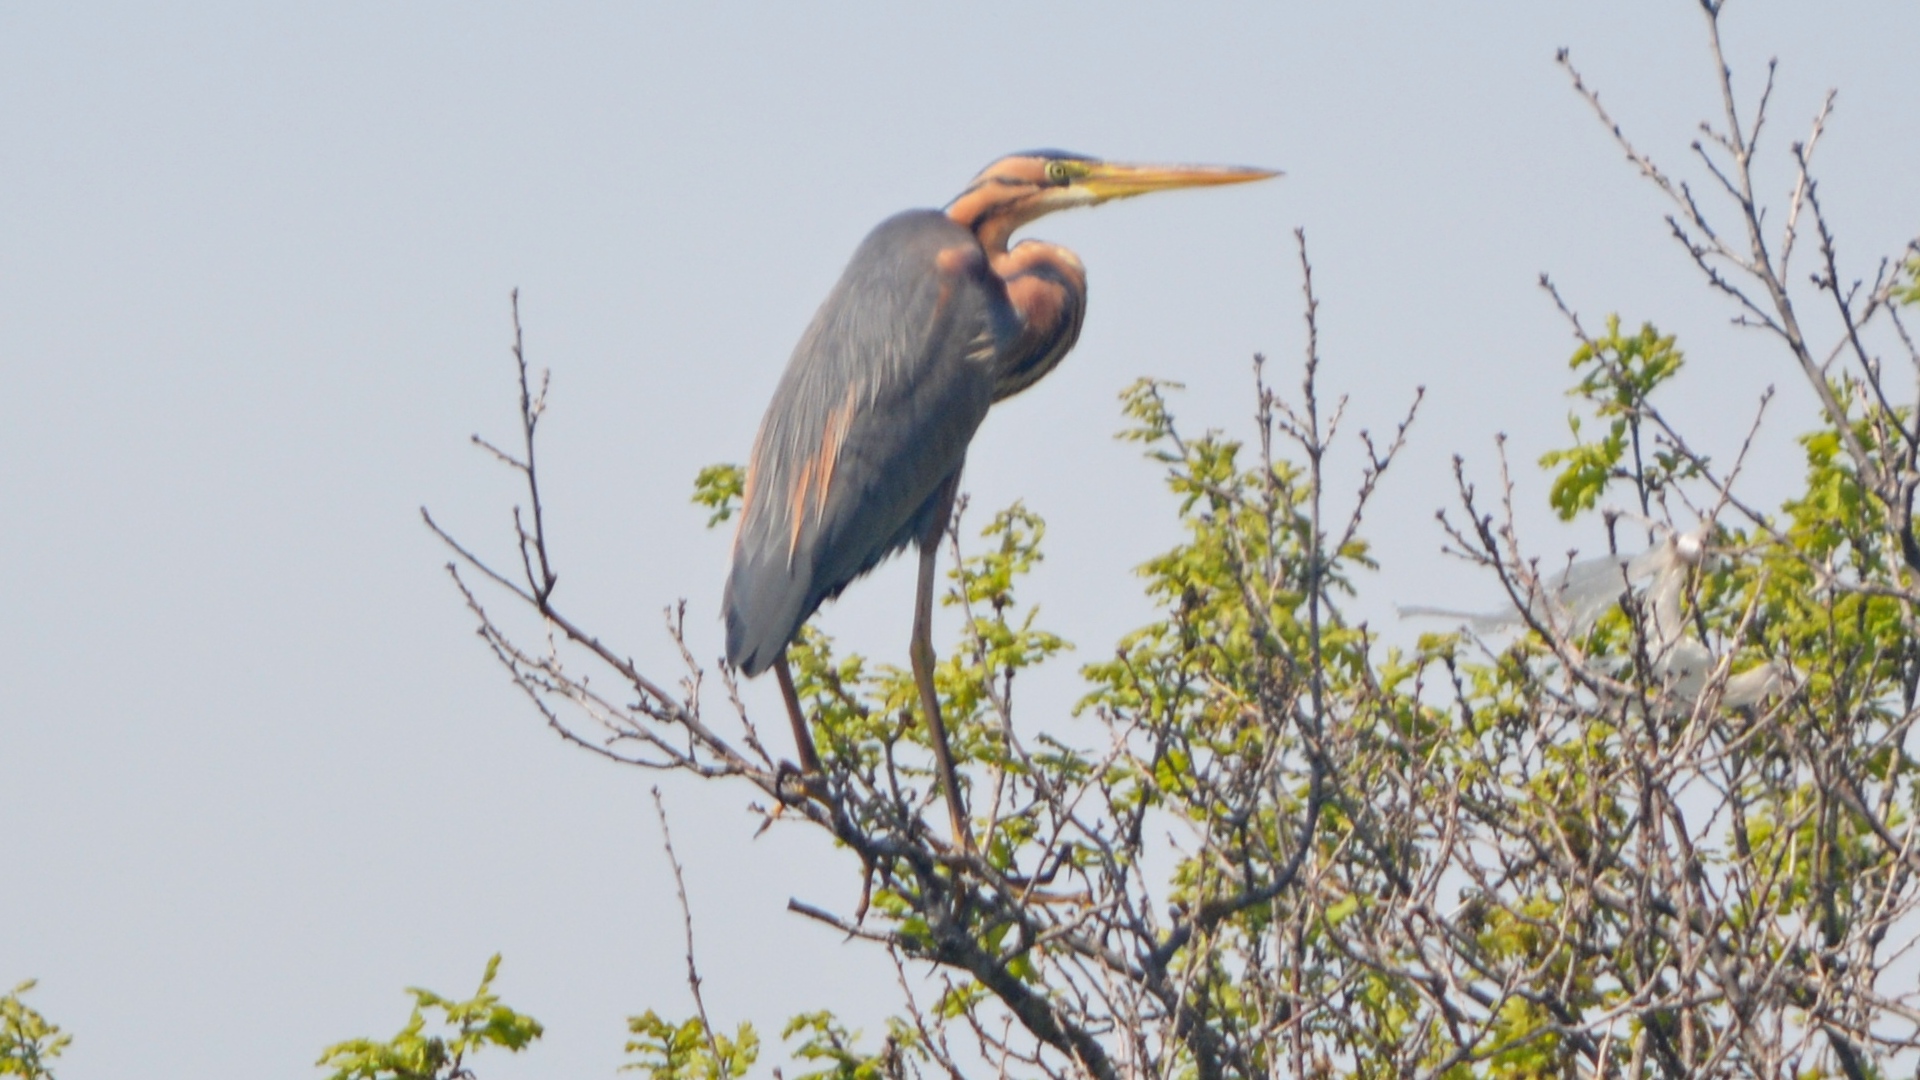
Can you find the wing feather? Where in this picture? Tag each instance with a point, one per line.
(869, 422)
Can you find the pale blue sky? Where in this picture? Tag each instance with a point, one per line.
(256, 774)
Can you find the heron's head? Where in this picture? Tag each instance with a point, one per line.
(1021, 187)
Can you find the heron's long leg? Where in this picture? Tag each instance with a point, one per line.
(922, 653)
(802, 738)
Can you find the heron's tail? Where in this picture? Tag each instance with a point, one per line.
(764, 605)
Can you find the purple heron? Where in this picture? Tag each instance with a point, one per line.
(860, 453)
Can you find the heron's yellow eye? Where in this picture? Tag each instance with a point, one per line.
(1057, 172)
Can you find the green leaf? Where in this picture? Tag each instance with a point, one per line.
(1618, 373)
(412, 1054)
(27, 1041)
(687, 1051)
(720, 488)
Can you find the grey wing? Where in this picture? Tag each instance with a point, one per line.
(870, 421)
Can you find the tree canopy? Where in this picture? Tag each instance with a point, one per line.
(1656, 813)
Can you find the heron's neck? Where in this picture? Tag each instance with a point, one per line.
(994, 234)
(1031, 257)
(991, 216)
(1047, 289)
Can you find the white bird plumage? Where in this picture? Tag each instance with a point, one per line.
(1574, 600)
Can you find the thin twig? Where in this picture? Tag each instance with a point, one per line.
(686, 920)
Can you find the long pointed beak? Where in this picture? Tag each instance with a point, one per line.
(1111, 180)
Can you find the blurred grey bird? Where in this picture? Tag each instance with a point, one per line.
(1573, 601)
